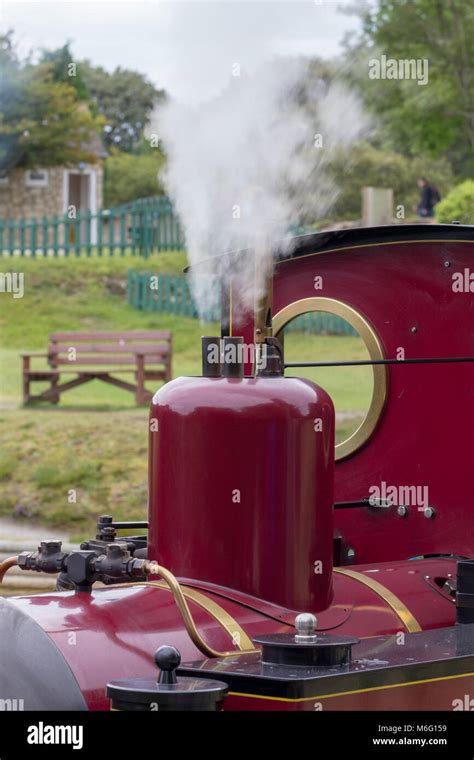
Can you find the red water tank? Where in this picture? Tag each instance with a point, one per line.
(241, 486)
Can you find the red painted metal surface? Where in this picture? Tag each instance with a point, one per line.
(253, 508)
(254, 557)
(425, 435)
(114, 632)
(357, 610)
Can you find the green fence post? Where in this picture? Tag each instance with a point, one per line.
(100, 232)
(11, 236)
(123, 232)
(45, 234)
(131, 228)
(87, 230)
(141, 231)
(22, 225)
(111, 232)
(55, 223)
(34, 226)
(67, 234)
(77, 234)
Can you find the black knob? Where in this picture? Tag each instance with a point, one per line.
(104, 520)
(167, 659)
(167, 693)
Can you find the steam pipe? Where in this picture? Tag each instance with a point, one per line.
(211, 356)
(6, 565)
(232, 357)
(153, 568)
(264, 292)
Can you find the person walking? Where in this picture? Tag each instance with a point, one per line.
(429, 197)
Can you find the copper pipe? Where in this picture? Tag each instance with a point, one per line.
(6, 565)
(153, 568)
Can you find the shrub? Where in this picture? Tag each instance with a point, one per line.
(458, 206)
(130, 176)
(370, 166)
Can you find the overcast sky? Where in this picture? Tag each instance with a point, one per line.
(185, 46)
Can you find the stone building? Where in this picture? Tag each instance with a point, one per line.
(35, 193)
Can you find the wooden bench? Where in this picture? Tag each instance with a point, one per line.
(96, 356)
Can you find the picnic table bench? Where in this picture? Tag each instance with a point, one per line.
(98, 356)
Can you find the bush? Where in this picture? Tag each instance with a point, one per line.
(458, 206)
(370, 166)
(130, 176)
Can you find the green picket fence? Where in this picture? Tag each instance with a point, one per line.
(321, 323)
(166, 292)
(141, 228)
(171, 293)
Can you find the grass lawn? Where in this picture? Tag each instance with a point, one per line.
(95, 440)
(101, 456)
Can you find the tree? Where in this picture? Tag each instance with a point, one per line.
(9, 92)
(436, 118)
(458, 205)
(128, 177)
(64, 69)
(42, 121)
(125, 99)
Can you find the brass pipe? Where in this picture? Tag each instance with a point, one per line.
(153, 568)
(263, 292)
(6, 565)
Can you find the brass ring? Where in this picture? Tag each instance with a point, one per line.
(374, 347)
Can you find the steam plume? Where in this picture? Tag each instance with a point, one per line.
(250, 163)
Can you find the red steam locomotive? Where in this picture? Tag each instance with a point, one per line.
(253, 522)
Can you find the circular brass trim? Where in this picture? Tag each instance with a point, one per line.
(374, 347)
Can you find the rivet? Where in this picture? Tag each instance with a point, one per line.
(402, 510)
(447, 264)
(414, 329)
(429, 512)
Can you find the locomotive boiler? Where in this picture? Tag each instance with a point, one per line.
(271, 578)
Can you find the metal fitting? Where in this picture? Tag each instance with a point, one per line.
(305, 624)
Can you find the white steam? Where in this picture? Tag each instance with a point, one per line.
(247, 166)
